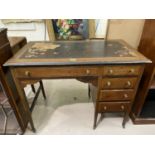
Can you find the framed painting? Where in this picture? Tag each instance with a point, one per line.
(73, 29)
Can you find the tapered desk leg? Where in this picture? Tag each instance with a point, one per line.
(42, 88)
(125, 119)
(95, 119)
(23, 99)
(33, 88)
(89, 93)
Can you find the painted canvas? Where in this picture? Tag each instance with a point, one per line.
(70, 29)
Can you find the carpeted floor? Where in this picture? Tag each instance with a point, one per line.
(68, 110)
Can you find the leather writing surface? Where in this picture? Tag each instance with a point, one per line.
(79, 49)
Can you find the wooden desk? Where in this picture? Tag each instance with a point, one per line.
(113, 68)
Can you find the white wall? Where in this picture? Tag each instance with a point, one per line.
(101, 28)
(129, 30)
(32, 31)
(35, 31)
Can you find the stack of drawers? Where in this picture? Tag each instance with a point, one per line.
(117, 89)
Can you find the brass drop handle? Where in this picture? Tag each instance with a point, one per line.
(122, 107)
(108, 83)
(128, 83)
(132, 70)
(125, 95)
(110, 71)
(87, 71)
(27, 73)
(105, 107)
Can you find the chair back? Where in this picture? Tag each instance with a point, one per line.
(5, 48)
(5, 74)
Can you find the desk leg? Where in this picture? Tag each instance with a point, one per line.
(33, 88)
(95, 119)
(125, 119)
(42, 88)
(23, 99)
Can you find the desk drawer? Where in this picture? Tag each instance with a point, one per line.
(118, 83)
(52, 72)
(122, 70)
(113, 106)
(116, 95)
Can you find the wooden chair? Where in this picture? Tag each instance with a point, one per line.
(3, 102)
(6, 78)
(6, 109)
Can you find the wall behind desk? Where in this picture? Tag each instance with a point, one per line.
(129, 30)
(33, 30)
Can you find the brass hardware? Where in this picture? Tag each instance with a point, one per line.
(105, 108)
(125, 95)
(122, 107)
(110, 71)
(108, 83)
(132, 70)
(128, 83)
(72, 59)
(27, 73)
(88, 71)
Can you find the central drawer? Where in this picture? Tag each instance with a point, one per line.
(116, 95)
(52, 72)
(118, 83)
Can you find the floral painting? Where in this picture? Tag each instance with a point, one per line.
(70, 28)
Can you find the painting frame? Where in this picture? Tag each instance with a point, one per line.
(91, 29)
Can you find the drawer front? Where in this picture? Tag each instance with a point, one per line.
(116, 95)
(118, 83)
(131, 70)
(113, 106)
(49, 72)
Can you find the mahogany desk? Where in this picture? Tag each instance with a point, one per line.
(113, 69)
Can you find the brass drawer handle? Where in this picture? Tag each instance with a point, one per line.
(122, 107)
(110, 71)
(105, 107)
(125, 95)
(108, 83)
(128, 83)
(27, 73)
(132, 70)
(87, 71)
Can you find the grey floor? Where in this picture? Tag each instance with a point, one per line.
(68, 110)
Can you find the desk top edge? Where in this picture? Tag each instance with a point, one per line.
(138, 58)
